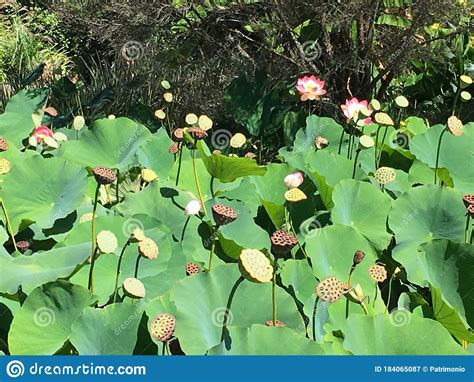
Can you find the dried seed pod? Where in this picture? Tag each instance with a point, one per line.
(468, 199)
(250, 155)
(163, 326)
(385, 175)
(283, 241)
(470, 210)
(133, 288)
(148, 249)
(330, 289)
(178, 134)
(455, 126)
(238, 140)
(104, 175)
(3, 144)
(205, 122)
(255, 266)
(278, 324)
(192, 269)
(5, 166)
(23, 245)
(107, 241)
(216, 152)
(197, 133)
(174, 148)
(295, 195)
(137, 235)
(321, 142)
(358, 257)
(378, 272)
(383, 119)
(51, 111)
(223, 214)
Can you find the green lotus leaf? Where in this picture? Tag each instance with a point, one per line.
(263, 340)
(398, 333)
(16, 122)
(228, 169)
(111, 143)
(428, 212)
(43, 324)
(363, 207)
(416, 125)
(154, 156)
(108, 331)
(32, 271)
(199, 318)
(29, 198)
(455, 154)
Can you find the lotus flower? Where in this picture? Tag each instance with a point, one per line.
(192, 208)
(294, 180)
(42, 134)
(310, 88)
(352, 107)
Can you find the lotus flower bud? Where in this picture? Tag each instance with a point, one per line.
(192, 208)
(294, 180)
(358, 257)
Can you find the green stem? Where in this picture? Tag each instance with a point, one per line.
(117, 187)
(340, 142)
(184, 228)
(91, 272)
(376, 147)
(349, 281)
(94, 211)
(389, 293)
(168, 350)
(274, 307)
(180, 158)
(349, 146)
(137, 264)
(376, 294)
(196, 180)
(213, 246)
(314, 317)
(355, 163)
(381, 146)
(211, 187)
(118, 270)
(467, 229)
(9, 226)
(229, 304)
(437, 154)
(364, 308)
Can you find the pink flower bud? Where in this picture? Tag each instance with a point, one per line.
(294, 180)
(192, 208)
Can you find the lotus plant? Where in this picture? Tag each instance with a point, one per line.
(455, 127)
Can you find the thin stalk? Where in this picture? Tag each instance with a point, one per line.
(437, 154)
(355, 163)
(376, 294)
(349, 146)
(467, 229)
(184, 228)
(340, 142)
(274, 307)
(137, 264)
(389, 293)
(349, 281)
(213, 247)
(314, 317)
(211, 186)
(376, 147)
(118, 270)
(196, 180)
(168, 350)
(180, 158)
(117, 187)
(9, 226)
(381, 147)
(94, 211)
(91, 272)
(362, 305)
(229, 304)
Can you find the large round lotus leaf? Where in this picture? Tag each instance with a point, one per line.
(43, 324)
(201, 301)
(108, 331)
(455, 154)
(228, 169)
(154, 156)
(449, 267)
(16, 123)
(398, 333)
(111, 143)
(264, 340)
(42, 191)
(32, 271)
(363, 207)
(428, 212)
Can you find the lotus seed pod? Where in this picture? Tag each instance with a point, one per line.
(104, 175)
(383, 119)
(165, 85)
(197, 133)
(86, 217)
(321, 142)
(238, 140)
(3, 145)
(255, 266)
(174, 148)
(385, 175)
(133, 288)
(23, 245)
(4, 166)
(468, 199)
(217, 152)
(358, 257)
(137, 235)
(163, 326)
(465, 81)
(107, 241)
(401, 101)
(250, 155)
(160, 114)
(295, 195)
(111, 117)
(51, 111)
(205, 122)
(466, 96)
(78, 123)
(455, 126)
(283, 241)
(223, 214)
(178, 134)
(470, 210)
(378, 272)
(148, 175)
(278, 324)
(191, 119)
(148, 249)
(168, 97)
(366, 142)
(375, 104)
(330, 289)
(192, 269)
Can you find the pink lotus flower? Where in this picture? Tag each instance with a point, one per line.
(352, 107)
(43, 134)
(192, 208)
(294, 180)
(310, 88)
